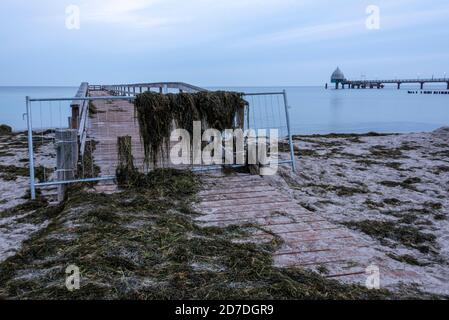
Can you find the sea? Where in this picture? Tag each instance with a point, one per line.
(312, 110)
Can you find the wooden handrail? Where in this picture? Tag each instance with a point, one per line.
(182, 86)
(83, 113)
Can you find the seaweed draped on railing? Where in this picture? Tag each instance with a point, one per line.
(157, 114)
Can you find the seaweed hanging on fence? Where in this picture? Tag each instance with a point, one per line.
(158, 114)
(155, 122)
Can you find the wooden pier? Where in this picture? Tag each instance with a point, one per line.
(339, 79)
(380, 84)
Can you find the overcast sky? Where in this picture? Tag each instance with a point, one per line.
(220, 42)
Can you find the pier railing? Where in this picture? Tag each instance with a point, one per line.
(136, 88)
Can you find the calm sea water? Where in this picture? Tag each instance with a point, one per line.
(313, 109)
(12, 105)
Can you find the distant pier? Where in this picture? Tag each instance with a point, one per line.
(339, 80)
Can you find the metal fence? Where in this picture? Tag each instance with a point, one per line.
(76, 138)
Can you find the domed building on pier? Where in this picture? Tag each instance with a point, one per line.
(337, 76)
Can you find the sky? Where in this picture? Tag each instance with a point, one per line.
(220, 42)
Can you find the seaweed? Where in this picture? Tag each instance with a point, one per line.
(11, 173)
(407, 259)
(93, 110)
(408, 183)
(409, 236)
(87, 166)
(5, 130)
(144, 243)
(158, 114)
(126, 173)
(340, 190)
(383, 152)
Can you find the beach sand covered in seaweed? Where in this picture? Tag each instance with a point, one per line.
(143, 243)
(392, 189)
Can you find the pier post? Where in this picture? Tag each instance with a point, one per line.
(422, 85)
(66, 157)
(74, 119)
(448, 86)
(399, 85)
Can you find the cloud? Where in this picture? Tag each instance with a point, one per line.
(344, 28)
(129, 12)
(150, 13)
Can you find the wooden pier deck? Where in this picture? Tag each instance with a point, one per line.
(310, 240)
(111, 120)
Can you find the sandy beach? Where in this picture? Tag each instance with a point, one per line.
(391, 190)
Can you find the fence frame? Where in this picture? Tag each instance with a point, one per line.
(84, 101)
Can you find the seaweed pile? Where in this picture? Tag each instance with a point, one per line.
(158, 114)
(126, 173)
(144, 243)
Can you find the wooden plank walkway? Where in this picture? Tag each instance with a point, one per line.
(309, 239)
(113, 119)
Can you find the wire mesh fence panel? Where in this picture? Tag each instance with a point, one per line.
(268, 112)
(47, 119)
(67, 150)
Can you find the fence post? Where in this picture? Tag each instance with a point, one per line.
(30, 149)
(75, 116)
(290, 138)
(66, 157)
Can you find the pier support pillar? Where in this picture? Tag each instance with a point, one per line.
(448, 86)
(66, 157)
(399, 85)
(422, 85)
